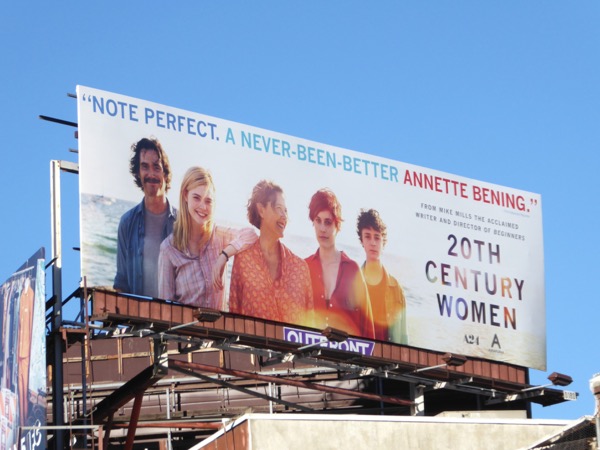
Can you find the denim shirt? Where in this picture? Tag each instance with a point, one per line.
(130, 248)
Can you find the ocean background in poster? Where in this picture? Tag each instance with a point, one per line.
(99, 237)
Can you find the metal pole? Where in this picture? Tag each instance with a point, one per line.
(57, 378)
(169, 445)
(133, 421)
(85, 357)
(175, 364)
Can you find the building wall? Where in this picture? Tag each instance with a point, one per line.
(323, 432)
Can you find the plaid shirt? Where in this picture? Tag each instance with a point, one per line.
(188, 279)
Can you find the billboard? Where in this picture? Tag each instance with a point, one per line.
(23, 357)
(380, 248)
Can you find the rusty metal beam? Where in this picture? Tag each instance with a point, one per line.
(167, 424)
(126, 393)
(109, 425)
(135, 415)
(277, 380)
(225, 384)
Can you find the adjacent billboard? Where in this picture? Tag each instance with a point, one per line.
(23, 357)
(311, 234)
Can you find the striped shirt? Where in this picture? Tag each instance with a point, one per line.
(188, 279)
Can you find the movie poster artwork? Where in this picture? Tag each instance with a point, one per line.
(399, 253)
(23, 357)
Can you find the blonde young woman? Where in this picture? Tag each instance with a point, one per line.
(192, 259)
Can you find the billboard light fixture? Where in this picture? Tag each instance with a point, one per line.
(556, 379)
(334, 334)
(331, 335)
(207, 315)
(454, 360)
(450, 360)
(560, 379)
(200, 315)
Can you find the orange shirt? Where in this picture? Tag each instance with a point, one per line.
(288, 298)
(389, 309)
(349, 307)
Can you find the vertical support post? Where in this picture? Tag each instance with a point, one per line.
(528, 408)
(85, 358)
(133, 421)
(169, 446)
(417, 395)
(100, 438)
(57, 378)
(380, 392)
(107, 430)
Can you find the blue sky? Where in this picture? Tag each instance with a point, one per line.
(504, 92)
